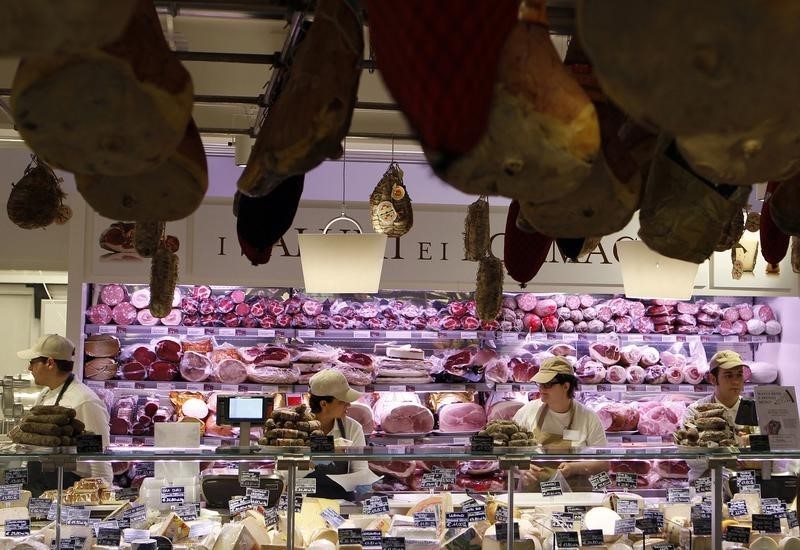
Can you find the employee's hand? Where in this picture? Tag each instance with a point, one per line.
(568, 469)
(531, 476)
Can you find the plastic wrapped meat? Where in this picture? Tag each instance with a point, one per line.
(354, 376)
(407, 418)
(267, 374)
(497, 371)
(693, 373)
(614, 416)
(660, 417)
(563, 350)
(650, 356)
(229, 371)
(590, 372)
(675, 374)
(634, 375)
(656, 374)
(616, 374)
(630, 355)
(195, 367)
(461, 417)
(362, 414)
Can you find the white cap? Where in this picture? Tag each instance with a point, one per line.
(49, 345)
(332, 383)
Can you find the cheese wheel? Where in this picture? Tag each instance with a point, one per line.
(170, 191)
(763, 543)
(789, 543)
(117, 110)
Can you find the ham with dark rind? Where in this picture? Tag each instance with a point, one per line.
(168, 350)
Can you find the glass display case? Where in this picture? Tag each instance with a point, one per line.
(744, 498)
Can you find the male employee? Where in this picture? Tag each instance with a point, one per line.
(726, 373)
(50, 363)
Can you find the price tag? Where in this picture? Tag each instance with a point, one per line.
(332, 517)
(196, 331)
(145, 469)
(766, 523)
(16, 476)
(600, 481)
(551, 488)
(361, 334)
(425, 519)
(397, 388)
(394, 543)
(9, 493)
(230, 332)
(791, 519)
(259, 497)
(567, 539)
(592, 537)
(447, 475)
(623, 526)
(128, 493)
(307, 333)
(195, 387)
(89, 443)
(108, 536)
(648, 526)
(469, 335)
(657, 517)
(375, 505)
(562, 520)
(298, 503)
(173, 495)
(663, 546)
(577, 512)
(306, 486)
(270, 517)
(135, 514)
(107, 329)
(735, 533)
(678, 494)
(130, 535)
(745, 478)
(158, 331)
(737, 508)
(349, 536)
(249, 479)
(669, 338)
(230, 388)
(77, 516)
(475, 511)
(239, 504)
(634, 337)
(501, 531)
(503, 388)
(456, 520)
(626, 506)
(266, 333)
(625, 480)
(18, 527)
(371, 539)
(501, 513)
(482, 444)
(321, 443)
(701, 526)
(702, 485)
(38, 508)
(200, 529)
(187, 511)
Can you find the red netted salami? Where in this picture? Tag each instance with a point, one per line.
(312, 307)
(526, 301)
(643, 325)
(774, 242)
(242, 309)
(623, 324)
(189, 306)
(250, 321)
(124, 313)
(572, 301)
(604, 313)
(688, 308)
(207, 306)
(258, 308)
(267, 321)
(112, 294)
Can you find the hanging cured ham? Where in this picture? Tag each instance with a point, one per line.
(543, 133)
(774, 242)
(722, 89)
(524, 250)
(311, 116)
(116, 110)
(682, 215)
(439, 60)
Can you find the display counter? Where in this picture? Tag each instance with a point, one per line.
(737, 499)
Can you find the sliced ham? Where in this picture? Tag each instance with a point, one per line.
(504, 405)
(607, 354)
(317, 353)
(497, 371)
(461, 417)
(101, 368)
(230, 371)
(522, 371)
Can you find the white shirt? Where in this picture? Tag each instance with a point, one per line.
(590, 432)
(90, 410)
(355, 434)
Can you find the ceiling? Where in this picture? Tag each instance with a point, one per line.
(229, 46)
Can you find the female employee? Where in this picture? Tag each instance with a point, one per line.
(330, 398)
(559, 422)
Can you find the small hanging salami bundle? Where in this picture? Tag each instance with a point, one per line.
(476, 230)
(36, 200)
(489, 288)
(524, 249)
(163, 278)
(390, 204)
(774, 242)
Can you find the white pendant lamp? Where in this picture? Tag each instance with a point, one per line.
(342, 263)
(648, 274)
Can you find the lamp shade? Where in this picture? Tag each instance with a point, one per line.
(342, 263)
(648, 274)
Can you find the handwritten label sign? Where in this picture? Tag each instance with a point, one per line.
(626, 506)
(456, 520)
(16, 476)
(592, 537)
(746, 478)
(38, 508)
(475, 511)
(600, 481)
(562, 520)
(678, 494)
(623, 526)
(375, 505)
(108, 536)
(766, 523)
(702, 485)
(306, 486)
(481, 444)
(551, 488)
(186, 511)
(371, 539)
(737, 508)
(394, 543)
(249, 479)
(735, 533)
(283, 503)
(567, 539)
(239, 504)
(171, 495)
(501, 531)
(9, 493)
(259, 497)
(333, 517)
(791, 519)
(321, 443)
(270, 517)
(349, 536)
(625, 480)
(425, 519)
(18, 527)
(648, 526)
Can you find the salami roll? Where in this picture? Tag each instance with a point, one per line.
(124, 313)
(524, 251)
(127, 121)
(774, 242)
(112, 295)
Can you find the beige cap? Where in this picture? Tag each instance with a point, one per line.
(50, 345)
(550, 368)
(725, 359)
(332, 383)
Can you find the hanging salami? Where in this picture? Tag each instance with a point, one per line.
(524, 250)
(774, 242)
